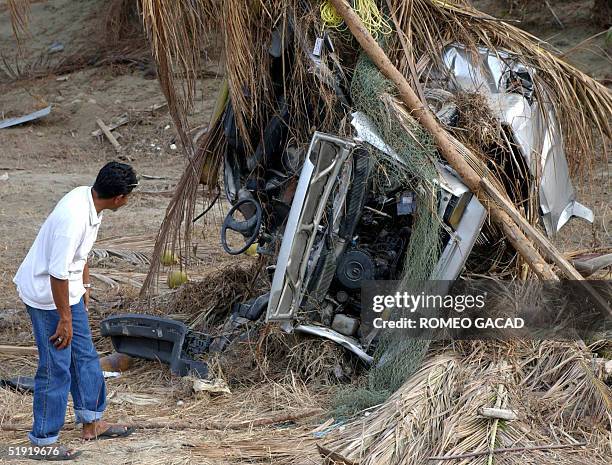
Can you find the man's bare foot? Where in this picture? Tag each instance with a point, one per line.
(105, 430)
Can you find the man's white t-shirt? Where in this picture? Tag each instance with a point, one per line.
(60, 250)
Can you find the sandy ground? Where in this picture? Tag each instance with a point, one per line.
(45, 159)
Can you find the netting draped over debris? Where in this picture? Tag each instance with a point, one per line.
(413, 169)
(179, 38)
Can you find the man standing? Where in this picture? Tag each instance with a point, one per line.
(53, 282)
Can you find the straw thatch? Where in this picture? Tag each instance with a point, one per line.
(421, 29)
(549, 385)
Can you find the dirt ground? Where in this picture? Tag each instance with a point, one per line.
(41, 161)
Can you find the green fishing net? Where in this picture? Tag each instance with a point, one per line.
(397, 357)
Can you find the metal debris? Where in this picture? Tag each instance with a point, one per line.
(7, 123)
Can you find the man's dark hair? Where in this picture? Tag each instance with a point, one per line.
(115, 179)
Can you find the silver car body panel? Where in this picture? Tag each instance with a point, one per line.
(461, 242)
(535, 127)
(366, 132)
(345, 341)
(324, 161)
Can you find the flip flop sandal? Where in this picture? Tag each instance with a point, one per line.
(54, 453)
(113, 432)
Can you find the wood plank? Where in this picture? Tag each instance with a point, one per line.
(123, 119)
(108, 135)
(18, 350)
(498, 413)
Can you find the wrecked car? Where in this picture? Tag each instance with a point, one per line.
(326, 222)
(316, 213)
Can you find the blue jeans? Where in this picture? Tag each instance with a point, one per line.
(75, 369)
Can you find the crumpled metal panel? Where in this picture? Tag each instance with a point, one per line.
(508, 85)
(345, 341)
(322, 166)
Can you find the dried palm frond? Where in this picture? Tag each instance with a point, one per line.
(42, 65)
(134, 249)
(476, 120)
(410, 423)
(565, 376)
(246, 58)
(180, 211)
(122, 21)
(306, 91)
(178, 33)
(436, 412)
(208, 302)
(581, 102)
(19, 11)
(114, 278)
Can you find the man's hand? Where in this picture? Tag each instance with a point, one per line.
(63, 334)
(86, 299)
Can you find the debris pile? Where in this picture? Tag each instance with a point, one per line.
(397, 141)
(369, 141)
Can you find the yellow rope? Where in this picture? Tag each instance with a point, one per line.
(367, 10)
(372, 18)
(330, 16)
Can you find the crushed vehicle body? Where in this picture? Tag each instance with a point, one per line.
(329, 229)
(528, 118)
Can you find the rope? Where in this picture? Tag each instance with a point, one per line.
(367, 10)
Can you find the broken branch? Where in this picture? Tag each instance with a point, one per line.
(123, 119)
(508, 449)
(213, 425)
(106, 131)
(332, 457)
(17, 350)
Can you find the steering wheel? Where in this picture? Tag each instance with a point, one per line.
(248, 228)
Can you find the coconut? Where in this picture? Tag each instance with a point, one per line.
(169, 258)
(176, 279)
(252, 250)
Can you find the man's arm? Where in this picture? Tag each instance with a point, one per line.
(63, 333)
(62, 253)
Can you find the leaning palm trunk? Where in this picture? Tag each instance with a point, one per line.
(179, 35)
